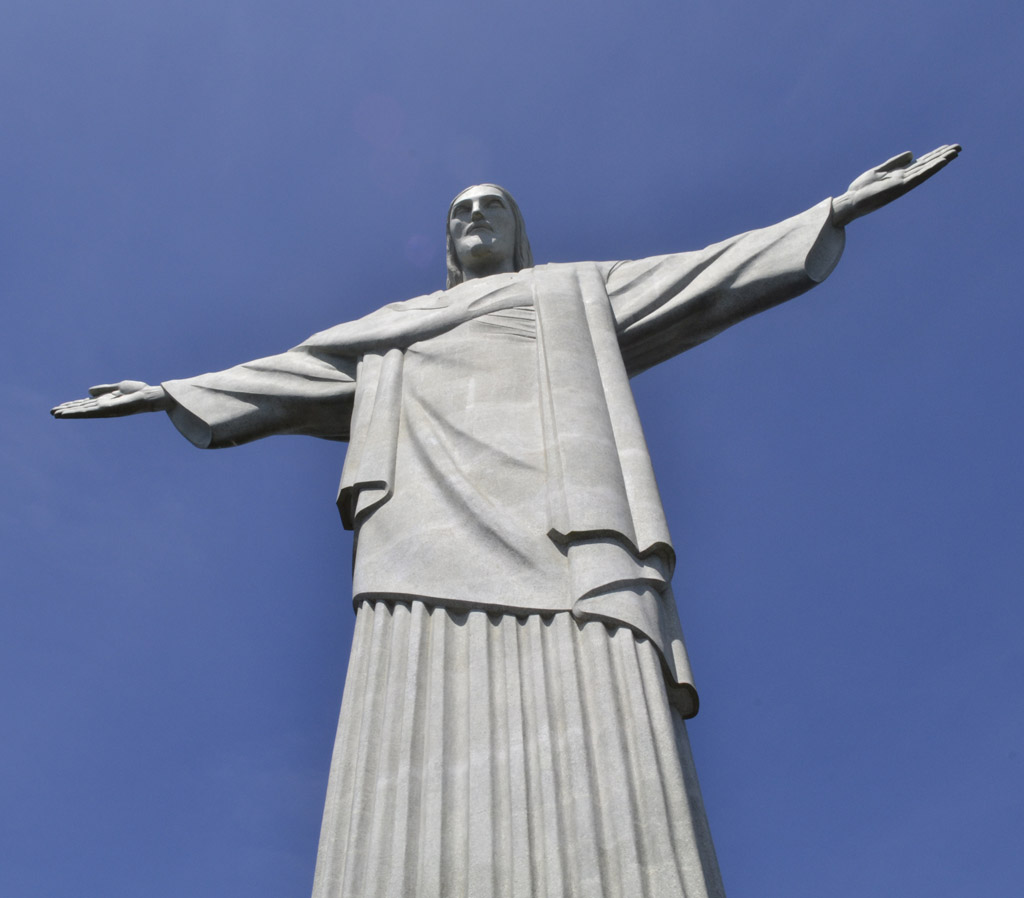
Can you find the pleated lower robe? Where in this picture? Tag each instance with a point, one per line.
(493, 756)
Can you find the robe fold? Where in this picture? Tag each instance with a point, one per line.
(496, 458)
(513, 715)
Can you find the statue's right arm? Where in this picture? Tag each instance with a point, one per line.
(128, 397)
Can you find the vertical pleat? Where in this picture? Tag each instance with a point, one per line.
(489, 756)
(614, 804)
(543, 814)
(429, 823)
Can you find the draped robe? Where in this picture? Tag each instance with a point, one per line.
(496, 459)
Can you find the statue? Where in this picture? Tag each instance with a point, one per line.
(513, 715)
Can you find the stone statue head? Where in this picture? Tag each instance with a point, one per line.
(522, 257)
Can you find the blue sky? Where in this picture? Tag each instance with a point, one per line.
(188, 185)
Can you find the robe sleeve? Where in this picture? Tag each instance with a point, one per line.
(665, 305)
(302, 391)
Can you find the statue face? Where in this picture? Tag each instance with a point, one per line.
(483, 229)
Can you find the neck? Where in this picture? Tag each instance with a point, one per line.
(484, 269)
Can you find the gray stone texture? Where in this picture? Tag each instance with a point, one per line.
(512, 723)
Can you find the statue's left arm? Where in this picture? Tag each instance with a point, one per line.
(668, 304)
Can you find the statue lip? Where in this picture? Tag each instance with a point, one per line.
(479, 226)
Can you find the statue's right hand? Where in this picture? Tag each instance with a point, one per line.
(129, 397)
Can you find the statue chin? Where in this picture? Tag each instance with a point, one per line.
(483, 258)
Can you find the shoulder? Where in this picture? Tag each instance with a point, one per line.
(603, 268)
(436, 300)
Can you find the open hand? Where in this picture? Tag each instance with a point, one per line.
(129, 397)
(889, 181)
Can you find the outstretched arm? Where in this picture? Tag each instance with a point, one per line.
(889, 181)
(129, 397)
(299, 391)
(667, 304)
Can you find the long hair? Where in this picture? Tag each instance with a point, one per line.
(522, 256)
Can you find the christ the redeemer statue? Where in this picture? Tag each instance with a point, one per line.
(512, 722)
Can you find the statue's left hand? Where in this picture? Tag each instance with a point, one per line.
(889, 181)
(129, 397)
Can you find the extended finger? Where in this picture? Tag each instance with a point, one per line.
(931, 162)
(74, 403)
(946, 153)
(100, 389)
(71, 409)
(919, 175)
(897, 161)
(948, 149)
(937, 153)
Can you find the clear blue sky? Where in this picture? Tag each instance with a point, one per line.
(188, 184)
